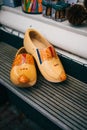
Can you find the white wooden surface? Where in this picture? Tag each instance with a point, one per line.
(61, 34)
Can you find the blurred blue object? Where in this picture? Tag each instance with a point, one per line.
(1, 2)
(12, 3)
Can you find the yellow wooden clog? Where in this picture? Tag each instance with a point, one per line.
(45, 55)
(23, 72)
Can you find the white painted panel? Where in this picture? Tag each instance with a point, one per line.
(64, 39)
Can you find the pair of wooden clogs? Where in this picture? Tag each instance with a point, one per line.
(23, 72)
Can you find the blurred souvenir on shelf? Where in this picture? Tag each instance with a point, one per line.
(59, 11)
(77, 14)
(55, 9)
(47, 8)
(12, 3)
(32, 6)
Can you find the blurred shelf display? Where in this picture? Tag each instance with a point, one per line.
(63, 35)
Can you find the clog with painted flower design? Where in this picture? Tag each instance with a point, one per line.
(45, 55)
(23, 71)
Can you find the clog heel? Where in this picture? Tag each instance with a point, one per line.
(23, 71)
(45, 55)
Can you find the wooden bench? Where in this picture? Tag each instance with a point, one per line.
(61, 106)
